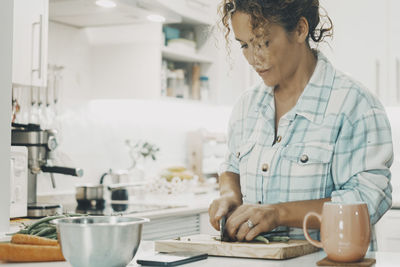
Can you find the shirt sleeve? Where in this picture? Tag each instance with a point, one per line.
(360, 166)
(231, 162)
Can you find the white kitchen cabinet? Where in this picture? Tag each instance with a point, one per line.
(359, 41)
(394, 52)
(366, 44)
(177, 226)
(171, 227)
(6, 25)
(205, 225)
(30, 42)
(388, 232)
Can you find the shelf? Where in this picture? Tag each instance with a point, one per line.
(183, 56)
(195, 12)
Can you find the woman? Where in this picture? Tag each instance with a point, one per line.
(306, 135)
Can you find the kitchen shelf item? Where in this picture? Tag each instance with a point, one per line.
(204, 88)
(180, 44)
(171, 33)
(205, 152)
(183, 56)
(99, 241)
(208, 244)
(90, 195)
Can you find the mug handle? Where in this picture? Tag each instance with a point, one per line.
(306, 234)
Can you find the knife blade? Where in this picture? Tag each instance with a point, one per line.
(222, 227)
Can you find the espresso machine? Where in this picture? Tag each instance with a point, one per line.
(41, 146)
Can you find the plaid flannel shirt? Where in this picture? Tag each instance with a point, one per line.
(335, 142)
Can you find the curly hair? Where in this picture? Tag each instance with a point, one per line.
(285, 13)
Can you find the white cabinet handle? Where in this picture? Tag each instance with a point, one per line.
(40, 24)
(377, 76)
(398, 79)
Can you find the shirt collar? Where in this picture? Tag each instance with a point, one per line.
(265, 98)
(314, 99)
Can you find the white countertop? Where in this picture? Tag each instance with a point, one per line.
(199, 204)
(383, 259)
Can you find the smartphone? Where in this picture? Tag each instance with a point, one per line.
(171, 259)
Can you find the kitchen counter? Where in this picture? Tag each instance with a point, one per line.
(383, 259)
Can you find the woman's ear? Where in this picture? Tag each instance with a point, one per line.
(301, 31)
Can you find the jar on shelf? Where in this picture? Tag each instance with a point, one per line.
(164, 78)
(204, 88)
(180, 89)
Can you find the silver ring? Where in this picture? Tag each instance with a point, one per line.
(250, 224)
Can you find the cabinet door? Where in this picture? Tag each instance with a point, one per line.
(30, 42)
(394, 52)
(40, 38)
(359, 42)
(388, 232)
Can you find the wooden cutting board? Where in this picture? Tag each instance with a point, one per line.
(207, 244)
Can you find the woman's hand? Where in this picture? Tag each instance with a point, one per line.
(222, 206)
(263, 217)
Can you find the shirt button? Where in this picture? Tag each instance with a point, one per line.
(238, 154)
(278, 139)
(304, 158)
(264, 167)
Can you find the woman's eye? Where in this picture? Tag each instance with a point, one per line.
(266, 43)
(243, 46)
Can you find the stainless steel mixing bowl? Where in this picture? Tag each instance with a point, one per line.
(99, 241)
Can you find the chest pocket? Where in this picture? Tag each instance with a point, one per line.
(305, 169)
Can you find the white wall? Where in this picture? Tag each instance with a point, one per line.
(69, 47)
(126, 61)
(6, 29)
(123, 71)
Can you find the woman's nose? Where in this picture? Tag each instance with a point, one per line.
(252, 58)
(256, 59)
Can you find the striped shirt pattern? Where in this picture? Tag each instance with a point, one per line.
(335, 142)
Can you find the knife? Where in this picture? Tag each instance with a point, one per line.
(222, 228)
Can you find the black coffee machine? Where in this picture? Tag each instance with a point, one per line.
(41, 145)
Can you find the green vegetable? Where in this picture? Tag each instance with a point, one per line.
(46, 231)
(43, 227)
(43, 220)
(266, 240)
(35, 231)
(261, 238)
(279, 238)
(51, 236)
(38, 228)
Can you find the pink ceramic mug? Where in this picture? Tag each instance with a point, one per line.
(345, 230)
